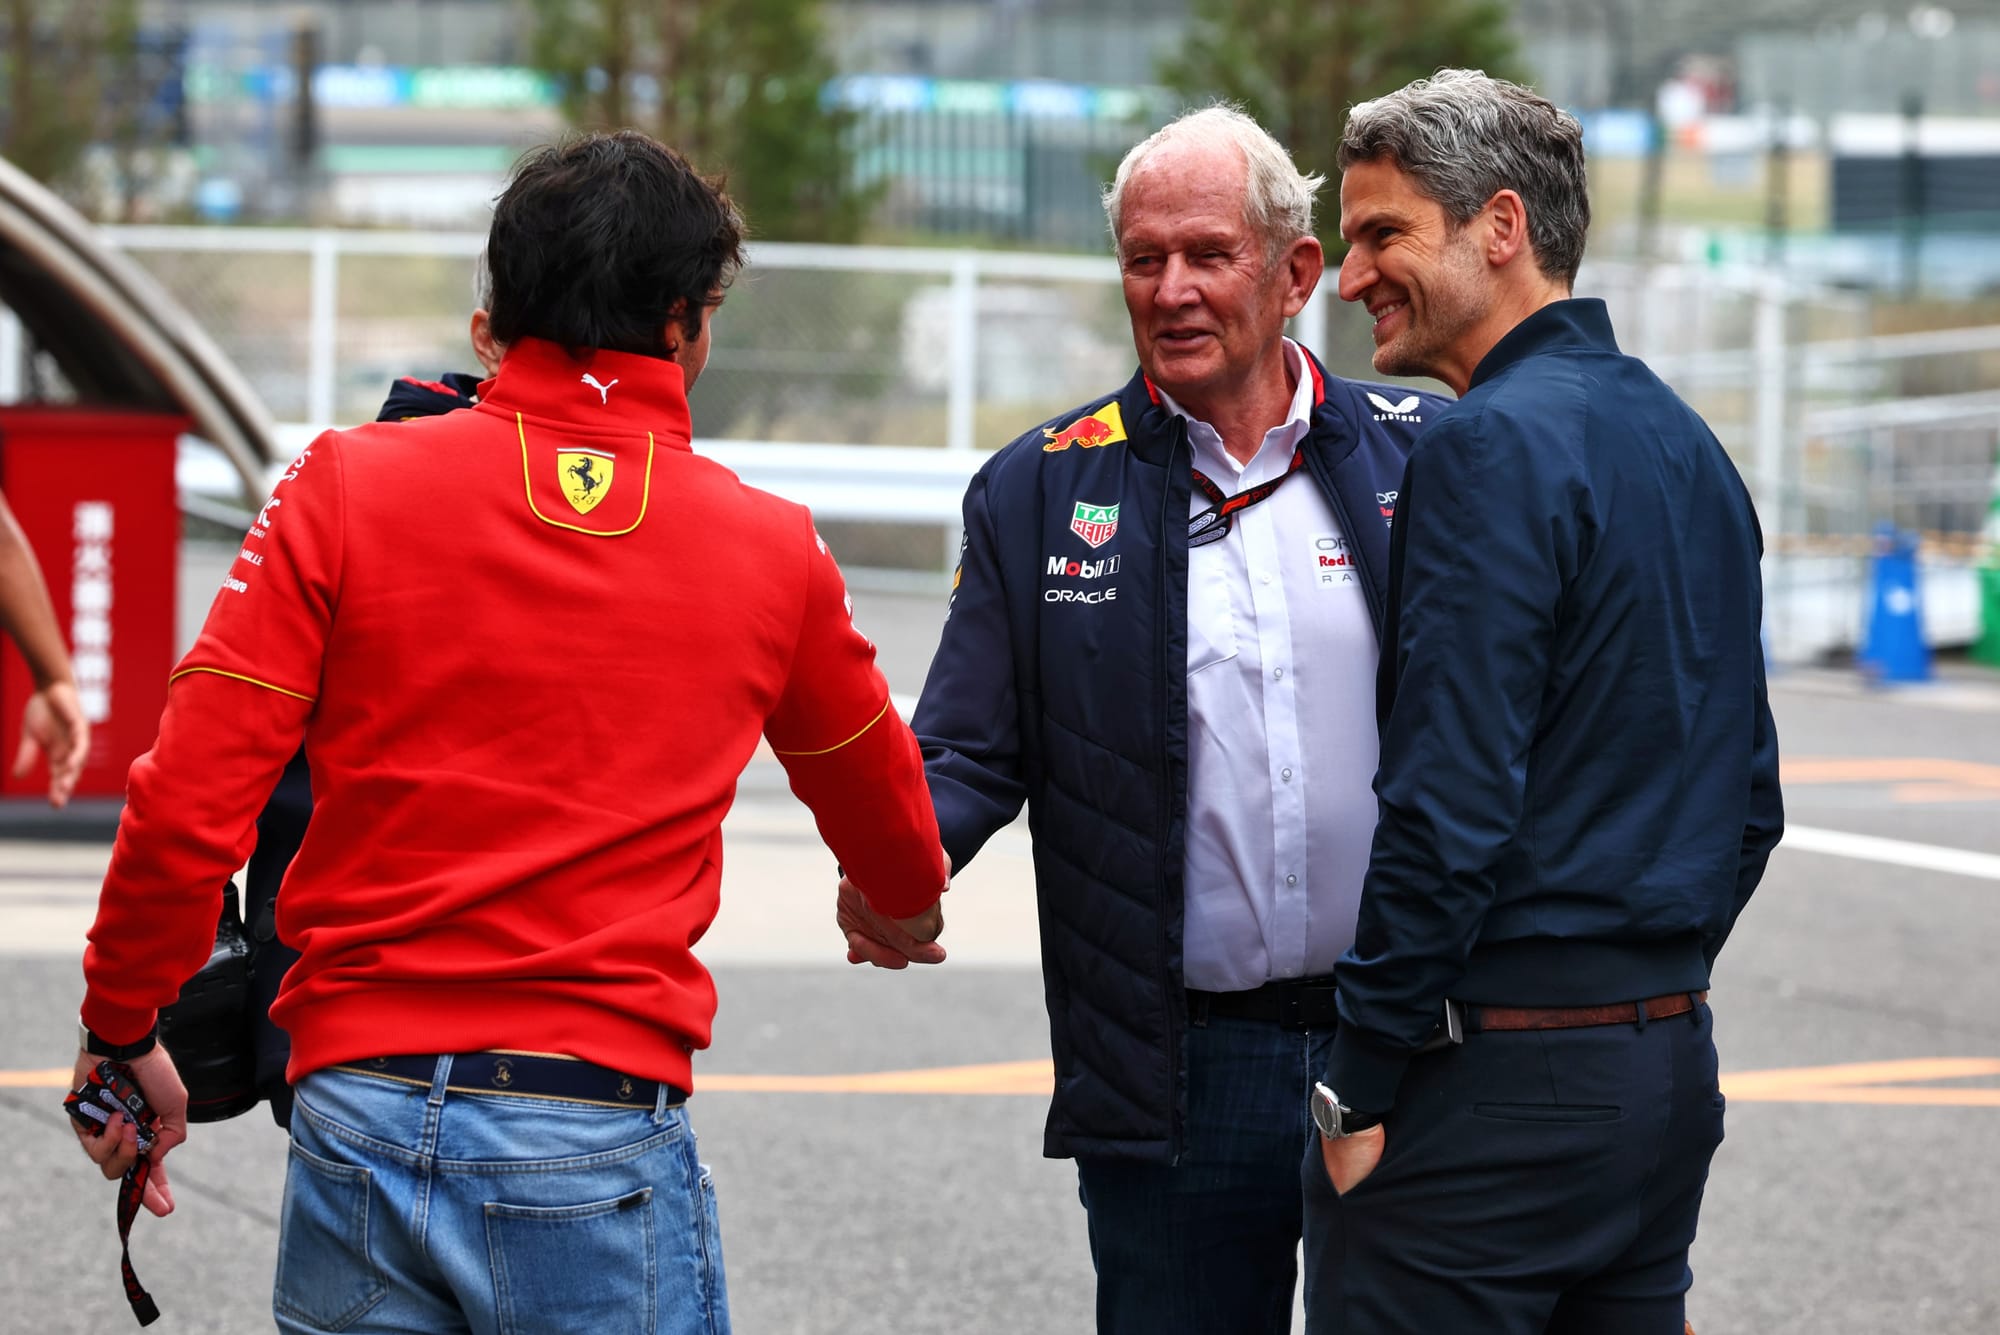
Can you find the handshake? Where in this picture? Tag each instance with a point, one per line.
(888, 943)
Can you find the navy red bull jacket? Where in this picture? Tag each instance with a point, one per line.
(410, 397)
(1061, 682)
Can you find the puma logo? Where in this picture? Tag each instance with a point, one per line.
(604, 391)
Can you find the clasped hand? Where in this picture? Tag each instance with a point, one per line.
(887, 943)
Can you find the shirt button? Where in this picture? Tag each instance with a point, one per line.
(1291, 880)
(1277, 674)
(1266, 578)
(1285, 774)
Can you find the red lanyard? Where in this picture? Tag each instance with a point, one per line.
(1213, 524)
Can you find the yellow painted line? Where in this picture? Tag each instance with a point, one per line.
(1911, 780)
(1887, 769)
(1887, 1082)
(1918, 794)
(1862, 1073)
(1881, 1083)
(1029, 1077)
(1901, 1096)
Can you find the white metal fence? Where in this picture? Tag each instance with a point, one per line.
(868, 382)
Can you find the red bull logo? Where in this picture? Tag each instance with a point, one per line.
(1102, 427)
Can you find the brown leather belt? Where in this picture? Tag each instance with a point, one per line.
(1582, 1017)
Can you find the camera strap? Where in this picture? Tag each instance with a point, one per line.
(108, 1093)
(131, 1194)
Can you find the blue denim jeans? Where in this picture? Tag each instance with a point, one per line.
(414, 1209)
(1209, 1246)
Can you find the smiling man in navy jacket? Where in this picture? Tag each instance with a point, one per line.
(1579, 775)
(1163, 640)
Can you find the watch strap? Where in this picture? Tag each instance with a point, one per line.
(1353, 1123)
(118, 1052)
(1345, 1121)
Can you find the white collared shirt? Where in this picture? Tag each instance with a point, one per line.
(1281, 722)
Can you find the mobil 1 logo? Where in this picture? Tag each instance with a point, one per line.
(1071, 579)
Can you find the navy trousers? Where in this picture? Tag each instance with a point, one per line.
(1537, 1183)
(1209, 1246)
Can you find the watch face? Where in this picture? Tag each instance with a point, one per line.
(1326, 1113)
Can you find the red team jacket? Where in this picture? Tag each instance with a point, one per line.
(529, 646)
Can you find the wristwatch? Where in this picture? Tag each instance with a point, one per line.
(118, 1052)
(1335, 1120)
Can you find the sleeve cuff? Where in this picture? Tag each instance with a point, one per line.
(893, 903)
(117, 1024)
(1365, 1076)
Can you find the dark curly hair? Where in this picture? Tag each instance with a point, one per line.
(599, 236)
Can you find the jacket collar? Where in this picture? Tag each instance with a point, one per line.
(1576, 325)
(1142, 402)
(599, 391)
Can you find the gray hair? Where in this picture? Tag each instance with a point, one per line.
(1278, 202)
(1463, 136)
(482, 283)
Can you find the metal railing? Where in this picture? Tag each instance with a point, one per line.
(869, 382)
(973, 300)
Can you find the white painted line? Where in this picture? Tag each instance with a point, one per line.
(1894, 852)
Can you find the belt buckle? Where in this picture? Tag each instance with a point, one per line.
(1292, 1014)
(1450, 1031)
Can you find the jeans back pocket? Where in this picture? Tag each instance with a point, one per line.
(575, 1267)
(326, 1278)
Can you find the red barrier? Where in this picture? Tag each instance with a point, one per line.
(94, 491)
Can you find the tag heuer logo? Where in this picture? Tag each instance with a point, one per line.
(585, 477)
(1394, 412)
(1094, 523)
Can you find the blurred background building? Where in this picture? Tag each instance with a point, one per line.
(991, 120)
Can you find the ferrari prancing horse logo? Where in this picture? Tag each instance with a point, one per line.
(585, 476)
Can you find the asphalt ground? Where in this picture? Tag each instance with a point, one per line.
(1857, 1010)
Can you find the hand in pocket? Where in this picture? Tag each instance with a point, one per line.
(1351, 1159)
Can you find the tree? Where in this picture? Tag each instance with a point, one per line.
(1298, 66)
(64, 66)
(739, 86)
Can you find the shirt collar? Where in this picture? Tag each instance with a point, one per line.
(1208, 441)
(614, 391)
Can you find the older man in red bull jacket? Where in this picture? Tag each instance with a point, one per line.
(1163, 641)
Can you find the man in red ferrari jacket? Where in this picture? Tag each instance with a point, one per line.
(530, 647)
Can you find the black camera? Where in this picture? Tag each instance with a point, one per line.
(210, 1029)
